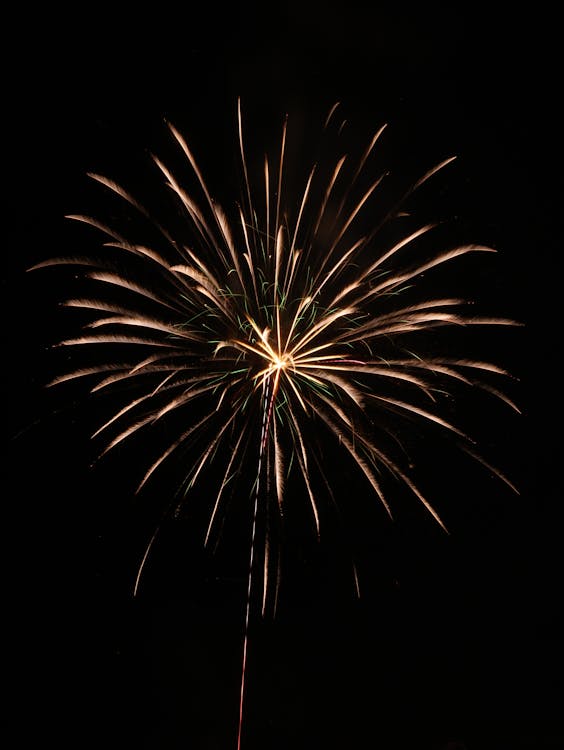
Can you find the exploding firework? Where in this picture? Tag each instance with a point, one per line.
(277, 344)
(264, 336)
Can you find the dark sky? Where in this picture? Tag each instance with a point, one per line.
(457, 639)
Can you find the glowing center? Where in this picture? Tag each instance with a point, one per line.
(281, 361)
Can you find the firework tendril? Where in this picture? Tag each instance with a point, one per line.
(267, 333)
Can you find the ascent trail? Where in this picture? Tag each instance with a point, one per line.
(264, 433)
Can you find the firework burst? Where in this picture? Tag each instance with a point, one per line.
(274, 337)
(267, 333)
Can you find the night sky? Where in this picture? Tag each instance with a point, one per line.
(456, 642)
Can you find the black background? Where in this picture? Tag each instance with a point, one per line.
(457, 641)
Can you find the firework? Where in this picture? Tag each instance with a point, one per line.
(264, 342)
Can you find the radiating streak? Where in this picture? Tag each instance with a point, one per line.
(69, 260)
(476, 456)
(226, 476)
(327, 194)
(83, 373)
(395, 281)
(280, 174)
(142, 322)
(144, 560)
(172, 447)
(431, 172)
(354, 213)
(98, 225)
(360, 462)
(140, 370)
(243, 159)
(112, 185)
(115, 339)
(420, 413)
(302, 457)
(119, 281)
(248, 258)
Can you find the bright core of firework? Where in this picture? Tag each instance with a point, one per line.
(263, 336)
